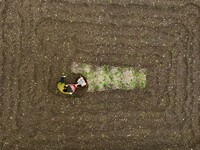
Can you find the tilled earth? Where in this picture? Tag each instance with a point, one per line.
(39, 41)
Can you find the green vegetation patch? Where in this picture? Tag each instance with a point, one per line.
(101, 78)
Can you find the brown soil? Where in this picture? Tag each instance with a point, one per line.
(39, 41)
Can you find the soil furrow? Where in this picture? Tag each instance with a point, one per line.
(122, 49)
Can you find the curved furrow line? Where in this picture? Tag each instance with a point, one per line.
(135, 35)
(188, 106)
(12, 57)
(138, 61)
(7, 93)
(145, 4)
(164, 71)
(28, 80)
(29, 95)
(118, 20)
(177, 99)
(39, 72)
(195, 105)
(137, 100)
(38, 80)
(82, 118)
(112, 31)
(2, 57)
(17, 74)
(102, 19)
(181, 84)
(159, 86)
(116, 60)
(27, 89)
(156, 86)
(172, 86)
(144, 57)
(46, 74)
(177, 87)
(111, 9)
(27, 83)
(152, 39)
(14, 89)
(122, 49)
(135, 138)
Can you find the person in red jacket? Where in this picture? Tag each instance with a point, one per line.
(71, 88)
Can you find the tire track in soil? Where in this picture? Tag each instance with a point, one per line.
(87, 141)
(192, 104)
(118, 101)
(117, 49)
(190, 17)
(177, 85)
(171, 89)
(109, 36)
(34, 89)
(26, 63)
(21, 79)
(33, 95)
(10, 93)
(168, 138)
(181, 86)
(107, 13)
(186, 106)
(2, 59)
(134, 57)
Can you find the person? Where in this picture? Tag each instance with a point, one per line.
(62, 79)
(81, 82)
(71, 88)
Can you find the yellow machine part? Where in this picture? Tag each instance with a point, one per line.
(61, 87)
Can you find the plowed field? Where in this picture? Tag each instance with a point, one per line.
(39, 40)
